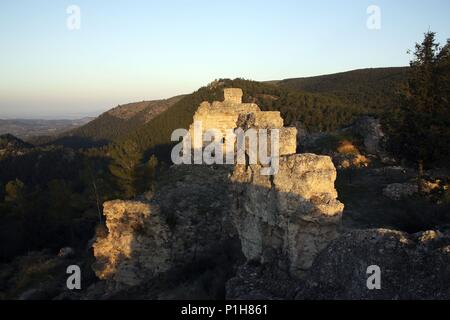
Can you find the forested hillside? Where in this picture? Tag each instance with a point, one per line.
(373, 89)
(10, 142)
(318, 104)
(315, 111)
(115, 123)
(50, 197)
(321, 103)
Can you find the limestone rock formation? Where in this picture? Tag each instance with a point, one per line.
(134, 228)
(412, 266)
(290, 217)
(283, 220)
(369, 129)
(185, 221)
(224, 116)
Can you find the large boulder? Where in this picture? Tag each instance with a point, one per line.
(184, 222)
(411, 266)
(288, 218)
(369, 129)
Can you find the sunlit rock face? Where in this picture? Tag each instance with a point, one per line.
(290, 217)
(224, 116)
(284, 219)
(137, 245)
(186, 221)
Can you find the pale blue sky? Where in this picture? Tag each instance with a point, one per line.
(134, 50)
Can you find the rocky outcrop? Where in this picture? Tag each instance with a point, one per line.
(369, 129)
(184, 222)
(397, 191)
(412, 266)
(289, 218)
(224, 116)
(137, 245)
(283, 220)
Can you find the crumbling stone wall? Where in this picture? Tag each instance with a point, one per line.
(224, 116)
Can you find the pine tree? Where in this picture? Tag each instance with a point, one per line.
(146, 175)
(126, 159)
(420, 127)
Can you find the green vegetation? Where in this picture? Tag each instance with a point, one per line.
(322, 103)
(371, 90)
(10, 142)
(51, 197)
(316, 112)
(113, 124)
(419, 129)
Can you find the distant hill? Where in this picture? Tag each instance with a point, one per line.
(30, 128)
(374, 89)
(8, 141)
(315, 111)
(11, 145)
(322, 103)
(115, 123)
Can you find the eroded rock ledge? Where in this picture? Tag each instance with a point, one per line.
(284, 220)
(413, 266)
(287, 219)
(186, 221)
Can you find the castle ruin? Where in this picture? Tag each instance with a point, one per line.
(228, 115)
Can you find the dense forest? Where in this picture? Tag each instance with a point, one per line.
(371, 89)
(50, 197)
(315, 111)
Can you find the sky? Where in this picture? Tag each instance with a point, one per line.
(126, 51)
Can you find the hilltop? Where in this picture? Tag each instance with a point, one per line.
(374, 88)
(8, 141)
(115, 123)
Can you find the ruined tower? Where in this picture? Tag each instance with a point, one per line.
(225, 115)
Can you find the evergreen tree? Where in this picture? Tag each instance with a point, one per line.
(126, 159)
(419, 129)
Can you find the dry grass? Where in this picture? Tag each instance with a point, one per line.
(347, 147)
